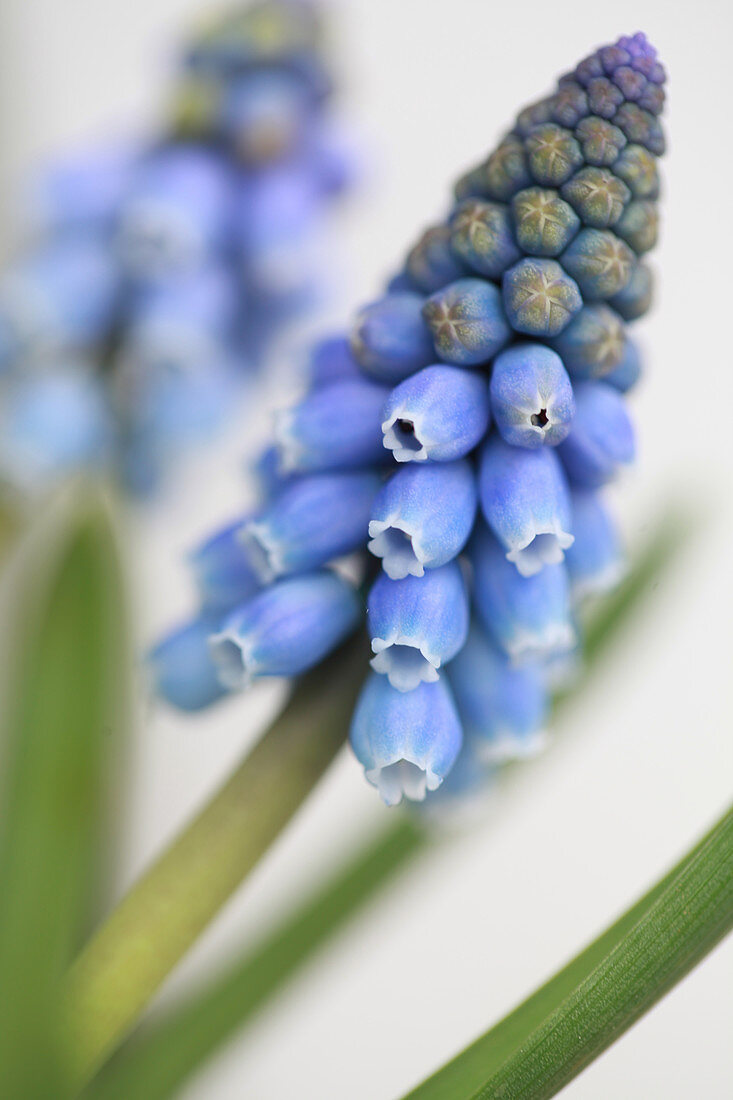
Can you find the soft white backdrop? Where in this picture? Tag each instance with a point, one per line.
(645, 762)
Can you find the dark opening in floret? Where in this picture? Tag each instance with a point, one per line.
(540, 419)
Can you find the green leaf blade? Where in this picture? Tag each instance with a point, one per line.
(568, 1022)
(66, 648)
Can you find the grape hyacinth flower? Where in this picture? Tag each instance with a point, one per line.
(165, 268)
(502, 355)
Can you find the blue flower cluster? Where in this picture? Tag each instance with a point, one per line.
(463, 430)
(156, 273)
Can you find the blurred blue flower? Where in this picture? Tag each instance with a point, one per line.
(169, 266)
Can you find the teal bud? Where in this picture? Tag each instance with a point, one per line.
(630, 82)
(481, 237)
(544, 224)
(641, 127)
(389, 339)
(604, 97)
(569, 105)
(467, 322)
(652, 99)
(502, 174)
(431, 263)
(540, 298)
(553, 154)
(597, 196)
(600, 141)
(639, 225)
(600, 262)
(636, 297)
(638, 169)
(627, 373)
(593, 342)
(534, 114)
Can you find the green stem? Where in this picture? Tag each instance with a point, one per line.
(156, 1063)
(149, 932)
(550, 1038)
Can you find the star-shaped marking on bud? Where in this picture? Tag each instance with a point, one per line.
(597, 196)
(600, 140)
(553, 154)
(540, 297)
(544, 224)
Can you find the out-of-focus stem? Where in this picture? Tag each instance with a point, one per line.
(164, 913)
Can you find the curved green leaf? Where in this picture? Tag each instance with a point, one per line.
(560, 1029)
(64, 642)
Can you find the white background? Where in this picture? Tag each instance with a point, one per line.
(644, 762)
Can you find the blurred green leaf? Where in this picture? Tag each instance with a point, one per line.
(160, 1058)
(11, 523)
(157, 1063)
(550, 1038)
(64, 639)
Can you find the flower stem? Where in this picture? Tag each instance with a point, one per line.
(149, 932)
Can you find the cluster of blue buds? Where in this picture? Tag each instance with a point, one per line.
(462, 432)
(157, 273)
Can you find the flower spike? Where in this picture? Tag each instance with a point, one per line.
(502, 354)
